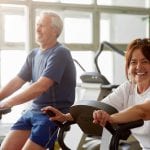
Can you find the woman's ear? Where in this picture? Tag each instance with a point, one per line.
(130, 77)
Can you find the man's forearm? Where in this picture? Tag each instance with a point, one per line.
(26, 95)
(11, 87)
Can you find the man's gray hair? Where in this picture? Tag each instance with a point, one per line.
(56, 21)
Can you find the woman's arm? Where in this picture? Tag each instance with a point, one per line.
(141, 111)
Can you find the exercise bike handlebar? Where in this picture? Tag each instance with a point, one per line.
(64, 128)
(82, 113)
(4, 111)
(121, 132)
(124, 126)
(118, 131)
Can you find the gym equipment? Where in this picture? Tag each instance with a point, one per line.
(4, 111)
(121, 132)
(95, 85)
(93, 79)
(82, 113)
(109, 46)
(97, 77)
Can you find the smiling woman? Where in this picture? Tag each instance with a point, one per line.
(138, 63)
(134, 95)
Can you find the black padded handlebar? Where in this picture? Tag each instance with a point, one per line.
(121, 132)
(4, 111)
(82, 112)
(64, 128)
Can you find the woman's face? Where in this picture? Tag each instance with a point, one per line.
(139, 68)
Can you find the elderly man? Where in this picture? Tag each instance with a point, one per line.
(51, 70)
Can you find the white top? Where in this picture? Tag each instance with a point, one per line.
(125, 96)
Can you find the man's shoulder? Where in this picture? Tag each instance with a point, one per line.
(62, 49)
(34, 51)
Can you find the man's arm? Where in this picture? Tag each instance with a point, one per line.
(12, 86)
(34, 90)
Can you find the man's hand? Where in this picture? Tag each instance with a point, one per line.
(4, 105)
(56, 115)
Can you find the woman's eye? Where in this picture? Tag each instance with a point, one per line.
(145, 62)
(132, 62)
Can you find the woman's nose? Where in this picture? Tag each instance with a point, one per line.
(139, 65)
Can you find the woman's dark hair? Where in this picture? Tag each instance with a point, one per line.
(143, 45)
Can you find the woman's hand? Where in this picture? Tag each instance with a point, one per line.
(59, 116)
(101, 117)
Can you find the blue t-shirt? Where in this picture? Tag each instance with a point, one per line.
(57, 64)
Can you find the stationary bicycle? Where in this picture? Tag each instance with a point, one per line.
(112, 135)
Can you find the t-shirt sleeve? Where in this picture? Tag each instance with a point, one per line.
(118, 97)
(147, 98)
(26, 70)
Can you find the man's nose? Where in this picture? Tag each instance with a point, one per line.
(38, 28)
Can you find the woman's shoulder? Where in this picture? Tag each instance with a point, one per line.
(126, 84)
